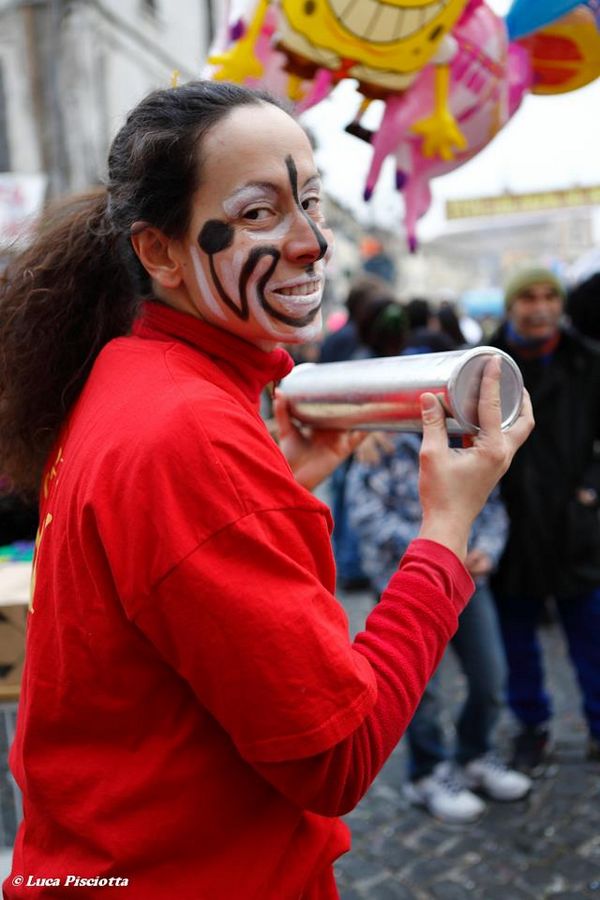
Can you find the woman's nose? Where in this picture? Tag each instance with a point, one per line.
(305, 242)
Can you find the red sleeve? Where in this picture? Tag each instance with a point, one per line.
(247, 621)
(404, 639)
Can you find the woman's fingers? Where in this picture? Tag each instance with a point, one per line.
(354, 439)
(285, 425)
(373, 447)
(489, 408)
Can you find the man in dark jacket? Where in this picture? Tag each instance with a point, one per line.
(551, 494)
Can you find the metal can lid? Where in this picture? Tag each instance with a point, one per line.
(465, 385)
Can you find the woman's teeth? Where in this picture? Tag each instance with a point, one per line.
(299, 290)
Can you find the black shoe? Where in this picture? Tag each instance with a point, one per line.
(531, 749)
(352, 585)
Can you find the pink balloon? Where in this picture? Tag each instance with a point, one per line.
(275, 78)
(488, 80)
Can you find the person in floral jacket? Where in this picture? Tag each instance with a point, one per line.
(385, 511)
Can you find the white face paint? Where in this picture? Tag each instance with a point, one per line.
(255, 198)
(257, 242)
(279, 330)
(205, 288)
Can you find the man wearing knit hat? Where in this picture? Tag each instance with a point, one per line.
(551, 494)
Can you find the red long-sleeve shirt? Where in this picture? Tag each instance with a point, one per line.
(193, 716)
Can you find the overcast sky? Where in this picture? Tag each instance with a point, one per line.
(551, 142)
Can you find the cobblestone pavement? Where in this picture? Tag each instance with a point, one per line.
(545, 846)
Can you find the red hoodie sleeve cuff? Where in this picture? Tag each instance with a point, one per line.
(441, 567)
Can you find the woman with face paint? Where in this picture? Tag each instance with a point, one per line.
(194, 717)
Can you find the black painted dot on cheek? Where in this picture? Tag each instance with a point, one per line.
(215, 236)
(309, 7)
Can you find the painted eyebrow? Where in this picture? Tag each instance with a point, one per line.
(253, 186)
(245, 194)
(313, 181)
(268, 187)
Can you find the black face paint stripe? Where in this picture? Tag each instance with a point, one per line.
(291, 320)
(215, 236)
(249, 266)
(241, 311)
(293, 176)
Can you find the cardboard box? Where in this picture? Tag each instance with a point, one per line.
(14, 599)
(12, 648)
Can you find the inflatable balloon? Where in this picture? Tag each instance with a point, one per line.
(566, 54)
(447, 71)
(480, 125)
(527, 16)
(488, 79)
(487, 83)
(249, 55)
(383, 45)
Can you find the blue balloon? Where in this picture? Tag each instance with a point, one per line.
(594, 5)
(526, 16)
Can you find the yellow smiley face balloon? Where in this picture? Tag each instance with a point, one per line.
(393, 36)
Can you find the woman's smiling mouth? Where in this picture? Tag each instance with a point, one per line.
(303, 289)
(294, 303)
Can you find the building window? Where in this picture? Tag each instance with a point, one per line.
(4, 152)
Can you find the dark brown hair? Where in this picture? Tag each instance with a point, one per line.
(79, 284)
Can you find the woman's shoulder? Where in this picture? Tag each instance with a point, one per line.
(162, 418)
(162, 384)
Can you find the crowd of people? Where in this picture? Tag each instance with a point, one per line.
(194, 717)
(534, 551)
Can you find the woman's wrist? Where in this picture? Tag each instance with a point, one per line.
(450, 533)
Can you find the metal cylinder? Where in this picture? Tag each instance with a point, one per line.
(384, 393)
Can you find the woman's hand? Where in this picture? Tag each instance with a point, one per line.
(455, 484)
(375, 445)
(312, 454)
(478, 563)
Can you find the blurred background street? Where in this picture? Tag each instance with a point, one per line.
(545, 846)
(69, 71)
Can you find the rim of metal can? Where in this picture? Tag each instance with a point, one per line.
(465, 381)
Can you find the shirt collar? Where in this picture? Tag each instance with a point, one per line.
(528, 348)
(251, 367)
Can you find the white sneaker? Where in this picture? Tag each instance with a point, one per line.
(445, 796)
(490, 775)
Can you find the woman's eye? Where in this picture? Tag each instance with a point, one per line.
(257, 214)
(311, 204)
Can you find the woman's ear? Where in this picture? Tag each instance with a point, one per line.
(155, 252)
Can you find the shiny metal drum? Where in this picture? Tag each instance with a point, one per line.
(384, 393)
